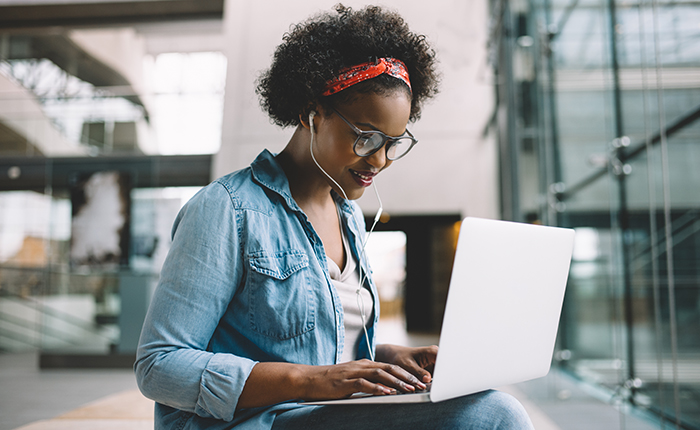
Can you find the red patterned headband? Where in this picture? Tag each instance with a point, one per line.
(356, 74)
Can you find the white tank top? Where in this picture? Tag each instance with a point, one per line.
(346, 283)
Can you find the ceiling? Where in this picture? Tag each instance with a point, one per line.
(35, 15)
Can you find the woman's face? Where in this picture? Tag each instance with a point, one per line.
(333, 146)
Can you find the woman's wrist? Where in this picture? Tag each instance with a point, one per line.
(270, 383)
(301, 378)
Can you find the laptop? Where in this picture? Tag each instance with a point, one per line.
(502, 311)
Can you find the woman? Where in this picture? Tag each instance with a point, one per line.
(265, 298)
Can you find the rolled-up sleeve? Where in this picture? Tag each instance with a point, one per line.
(198, 281)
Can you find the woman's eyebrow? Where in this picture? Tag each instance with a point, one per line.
(367, 124)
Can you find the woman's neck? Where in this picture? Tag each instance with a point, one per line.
(308, 185)
(311, 191)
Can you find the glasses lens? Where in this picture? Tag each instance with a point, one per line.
(367, 143)
(399, 147)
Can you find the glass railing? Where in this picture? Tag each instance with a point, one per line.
(607, 118)
(54, 301)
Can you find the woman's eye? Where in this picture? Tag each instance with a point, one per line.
(376, 139)
(362, 141)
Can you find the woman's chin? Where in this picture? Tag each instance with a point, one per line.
(354, 193)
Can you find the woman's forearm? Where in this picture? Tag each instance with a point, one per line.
(271, 383)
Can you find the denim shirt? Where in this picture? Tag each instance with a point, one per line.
(245, 281)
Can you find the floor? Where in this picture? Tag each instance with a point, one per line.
(33, 399)
(28, 394)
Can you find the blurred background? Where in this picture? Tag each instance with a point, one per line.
(573, 113)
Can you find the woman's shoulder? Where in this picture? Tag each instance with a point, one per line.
(237, 187)
(225, 193)
(236, 182)
(252, 186)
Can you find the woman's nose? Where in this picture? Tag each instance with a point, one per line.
(378, 159)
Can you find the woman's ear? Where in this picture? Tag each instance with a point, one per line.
(306, 118)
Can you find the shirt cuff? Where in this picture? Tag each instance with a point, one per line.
(221, 385)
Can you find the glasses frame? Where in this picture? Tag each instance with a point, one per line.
(385, 139)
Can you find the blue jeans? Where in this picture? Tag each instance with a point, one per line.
(480, 411)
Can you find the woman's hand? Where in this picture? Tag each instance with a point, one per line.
(363, 376)
(399, 369)
(417, 361)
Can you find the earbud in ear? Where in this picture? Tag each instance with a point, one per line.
(312, 114)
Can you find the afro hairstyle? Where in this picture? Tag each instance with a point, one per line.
(315, 51)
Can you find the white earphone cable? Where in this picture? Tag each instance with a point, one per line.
(363, 257)
(363, 278)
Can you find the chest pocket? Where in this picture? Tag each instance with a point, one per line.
(281, 303)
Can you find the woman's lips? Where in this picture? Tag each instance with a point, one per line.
(364, 178)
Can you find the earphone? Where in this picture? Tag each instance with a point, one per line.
(363, 257)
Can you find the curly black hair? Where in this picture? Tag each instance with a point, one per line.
(314, 51)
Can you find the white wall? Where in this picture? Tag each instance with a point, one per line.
(451, 170)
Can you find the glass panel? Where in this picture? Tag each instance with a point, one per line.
(631, 313)
(43, 303)
(79, 258)
(592, 313)
(666, 345)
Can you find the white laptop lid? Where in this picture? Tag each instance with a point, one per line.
(502, 312)
(503, 306)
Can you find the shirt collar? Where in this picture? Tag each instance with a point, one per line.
(343, 204)
(267, 172)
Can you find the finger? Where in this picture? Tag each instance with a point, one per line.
(411, 373)
(362, 385)
(394, 376)
(426, 360)
(391, 375)
(421, 361)
(420, 373)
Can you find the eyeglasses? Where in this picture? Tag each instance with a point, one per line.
(369, 142)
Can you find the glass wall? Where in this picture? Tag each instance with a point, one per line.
(601, 133)
(95, 132)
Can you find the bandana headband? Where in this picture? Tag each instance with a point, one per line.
(356, 74)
